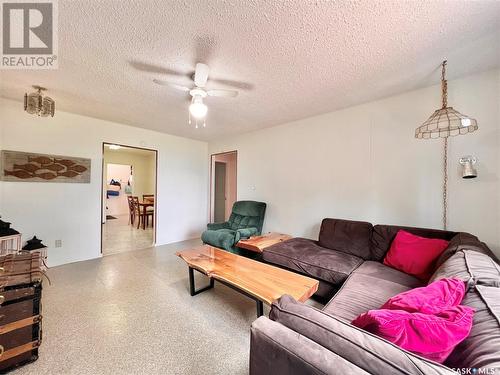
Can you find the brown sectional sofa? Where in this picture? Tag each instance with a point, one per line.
(347, 260)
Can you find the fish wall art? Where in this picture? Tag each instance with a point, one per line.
(26, 166)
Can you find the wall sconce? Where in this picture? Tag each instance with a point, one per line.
(468, 170)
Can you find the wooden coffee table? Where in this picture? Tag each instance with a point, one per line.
(262, 282)
(259, 243)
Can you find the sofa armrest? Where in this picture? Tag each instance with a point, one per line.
(247, 232)
(278, 350)
(217, 226)
(367, 351)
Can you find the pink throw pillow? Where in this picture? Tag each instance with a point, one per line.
(430, 336)
(431, 299)
(413, 254)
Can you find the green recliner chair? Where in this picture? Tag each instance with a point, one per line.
(246, 220)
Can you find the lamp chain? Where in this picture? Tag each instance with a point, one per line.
(444, 98)
(444, 85)
(445, 183)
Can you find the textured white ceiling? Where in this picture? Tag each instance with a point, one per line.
(290, 59)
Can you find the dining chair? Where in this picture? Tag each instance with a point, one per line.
(136, 209)
(131, 210)
(143, 218)
(149, 198)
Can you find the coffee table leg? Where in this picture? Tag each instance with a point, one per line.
(192, 289)
(260, 308)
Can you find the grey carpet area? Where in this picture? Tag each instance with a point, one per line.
(131, 313)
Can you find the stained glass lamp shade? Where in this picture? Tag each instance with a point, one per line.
(444, 123)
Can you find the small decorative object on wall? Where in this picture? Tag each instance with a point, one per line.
(468, 166)
(37, 104)
(34, 244)
(25, 166)
(443, 123)
(6, 230)
(128, 187)
(10, 239)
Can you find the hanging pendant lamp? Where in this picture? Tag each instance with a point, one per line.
(443, 123)
(38, 104)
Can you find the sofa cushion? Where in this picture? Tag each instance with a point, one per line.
(455, 267)
(482, 348)
(470, 266)
(380, 271)
(351, 237)
(414, 255)
(383, 235)
(484, 270)
(307, 257)
(370, 353)
(368, 288)
(462, 241)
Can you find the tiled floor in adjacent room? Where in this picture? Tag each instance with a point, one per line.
(131, 313)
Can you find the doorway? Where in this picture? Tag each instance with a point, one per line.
(128, 217)
(223, 191)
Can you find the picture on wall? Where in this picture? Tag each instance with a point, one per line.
(30, 167)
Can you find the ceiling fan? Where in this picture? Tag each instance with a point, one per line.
(197, 108)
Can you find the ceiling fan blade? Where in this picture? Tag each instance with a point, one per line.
(158, 69)
(223, 93)
(231, 83)
(201, 75)
(171, 84)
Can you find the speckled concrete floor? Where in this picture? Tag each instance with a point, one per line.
(131, 313)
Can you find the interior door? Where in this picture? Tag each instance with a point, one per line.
(219, 192)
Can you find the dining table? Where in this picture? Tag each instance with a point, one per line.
(143, 206)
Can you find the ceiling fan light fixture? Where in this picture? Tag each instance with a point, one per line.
(198, 109)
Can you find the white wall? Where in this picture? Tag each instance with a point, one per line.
(364, 163)
(71, 212)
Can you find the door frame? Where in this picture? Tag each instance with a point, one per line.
(155, 221)
(212, 177)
